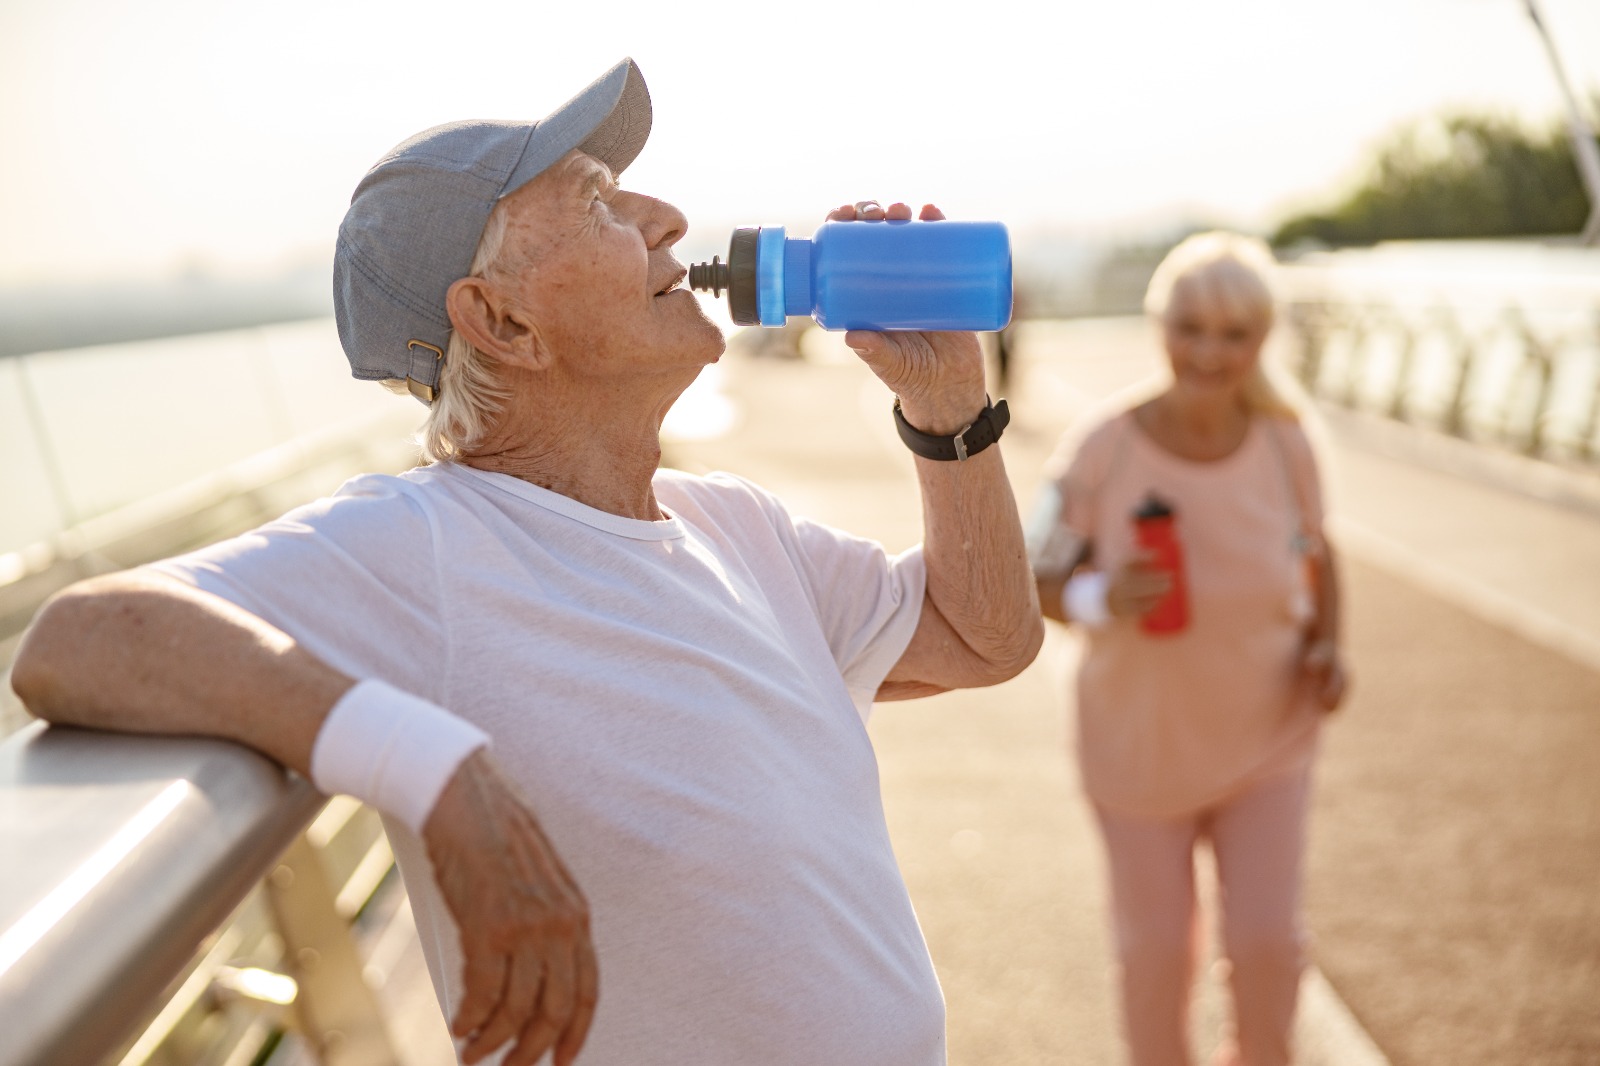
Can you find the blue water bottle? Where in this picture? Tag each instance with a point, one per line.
(879, 275)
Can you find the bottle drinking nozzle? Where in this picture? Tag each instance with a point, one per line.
(900, 275)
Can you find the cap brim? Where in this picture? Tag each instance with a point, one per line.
(609, 120)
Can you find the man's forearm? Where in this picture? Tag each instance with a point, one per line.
(141, 653)
(138, 652)
(980, 619)
(978, 573)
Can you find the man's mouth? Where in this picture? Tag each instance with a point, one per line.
(674, 284)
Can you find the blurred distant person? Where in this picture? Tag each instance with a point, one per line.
(1005, 345)
(1204, 729)
(614, 715)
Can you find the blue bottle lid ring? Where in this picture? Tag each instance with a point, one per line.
(769, 276)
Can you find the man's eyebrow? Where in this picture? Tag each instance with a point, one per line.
(599, 176)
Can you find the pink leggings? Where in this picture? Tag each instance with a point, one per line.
(1257, 838)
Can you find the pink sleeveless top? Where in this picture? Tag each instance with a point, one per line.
(1170, 724)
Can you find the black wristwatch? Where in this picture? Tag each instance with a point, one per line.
(984, 431)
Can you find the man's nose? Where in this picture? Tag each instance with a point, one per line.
(662, 224)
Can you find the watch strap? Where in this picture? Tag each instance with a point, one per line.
(982, 432)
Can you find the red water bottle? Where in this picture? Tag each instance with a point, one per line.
(1156, 530)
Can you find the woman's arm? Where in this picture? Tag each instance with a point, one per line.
(1322, 658)
(1050, 587)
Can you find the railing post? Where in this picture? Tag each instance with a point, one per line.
(1400, 398)
(1455, 419)
(1542, 358)
(1358, 330)
(1311, 320)
(1591, 422)
(336, 1011)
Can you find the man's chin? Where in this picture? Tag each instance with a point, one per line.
(711, 342)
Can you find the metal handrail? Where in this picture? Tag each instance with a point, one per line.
(121, 855)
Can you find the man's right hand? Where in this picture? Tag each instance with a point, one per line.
(530, 974)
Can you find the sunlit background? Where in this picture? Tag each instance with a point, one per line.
(173, 172)
(176, 136)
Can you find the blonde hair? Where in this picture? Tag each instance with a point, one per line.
(470, 393)
(1235, 273)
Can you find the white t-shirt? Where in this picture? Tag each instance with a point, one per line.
(683, 702)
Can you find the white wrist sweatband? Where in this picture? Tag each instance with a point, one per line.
(392, 750)
(1084, 598)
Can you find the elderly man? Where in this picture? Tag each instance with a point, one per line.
(613, 714)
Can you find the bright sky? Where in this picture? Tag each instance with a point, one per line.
(142, 135)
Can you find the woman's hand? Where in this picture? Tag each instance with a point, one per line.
(1322, 671)
(1137, 587)
(939, 377)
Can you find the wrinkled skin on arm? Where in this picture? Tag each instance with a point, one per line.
(140, 652)
(980, 619)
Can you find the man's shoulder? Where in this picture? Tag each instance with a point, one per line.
(371, 523)
(724, 506)
(368, 509)
(368, 493)
(717, 489)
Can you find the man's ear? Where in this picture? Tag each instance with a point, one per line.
(496, 327)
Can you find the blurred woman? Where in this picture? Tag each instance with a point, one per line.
(1200, 692)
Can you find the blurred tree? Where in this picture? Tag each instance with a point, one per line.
(1457, 176)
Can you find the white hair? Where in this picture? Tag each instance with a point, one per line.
(1234, 272)
(470, 393)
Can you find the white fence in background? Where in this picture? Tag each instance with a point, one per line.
(89, 430)
(1497, 343)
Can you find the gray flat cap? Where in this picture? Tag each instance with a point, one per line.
(416, 218)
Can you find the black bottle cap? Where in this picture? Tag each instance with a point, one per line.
(737, 275)
(1152, 508)
(712, 275)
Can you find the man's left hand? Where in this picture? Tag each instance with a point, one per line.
(939, 377)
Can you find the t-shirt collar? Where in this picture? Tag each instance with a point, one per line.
(669, 528)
